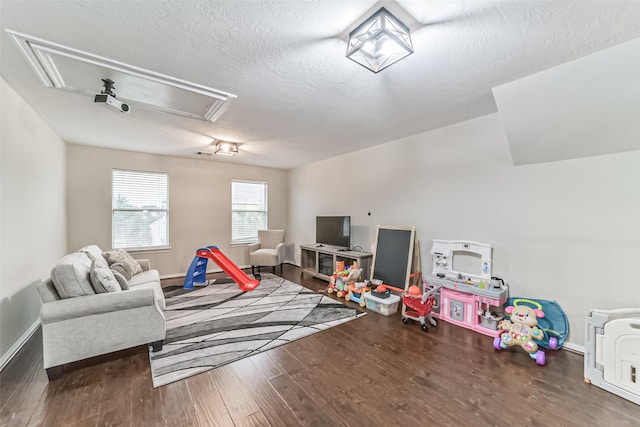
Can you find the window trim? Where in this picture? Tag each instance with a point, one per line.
(266, 210)
(156, 248)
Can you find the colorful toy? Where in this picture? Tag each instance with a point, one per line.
(342, 278)
(198, 269)
(353, 290)
(521, 330)
(337, 283)
(356, 294)
(414, 291)
(353, 276)
(419, 307)
(473, 300)
(381, 291)
(445, 251)
(554, 324)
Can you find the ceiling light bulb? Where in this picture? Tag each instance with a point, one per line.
(225, 148)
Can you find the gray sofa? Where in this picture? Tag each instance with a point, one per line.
(78, 323)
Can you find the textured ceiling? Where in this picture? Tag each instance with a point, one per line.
(299, 99)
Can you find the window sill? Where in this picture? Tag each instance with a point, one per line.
(149, 250)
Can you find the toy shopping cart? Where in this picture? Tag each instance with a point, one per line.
(418, 308)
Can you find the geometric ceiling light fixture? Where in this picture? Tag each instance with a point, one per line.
(225, 148)
(379, 42)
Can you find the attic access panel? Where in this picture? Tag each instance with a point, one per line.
(80, 72)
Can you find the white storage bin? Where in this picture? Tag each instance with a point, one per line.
(385, 306)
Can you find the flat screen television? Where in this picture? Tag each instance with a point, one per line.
(333, 231)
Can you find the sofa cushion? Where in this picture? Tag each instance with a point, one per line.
(124, 283)
(103, 279)
(120, 256)
(144, 277)
(70, 276)
(264, 257)
(48, 291)
(95, 254)
(149, 279)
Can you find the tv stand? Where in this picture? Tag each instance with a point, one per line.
(320, 261)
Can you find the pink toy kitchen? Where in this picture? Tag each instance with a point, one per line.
(469, 296)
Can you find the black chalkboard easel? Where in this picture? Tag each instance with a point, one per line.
(394, 255)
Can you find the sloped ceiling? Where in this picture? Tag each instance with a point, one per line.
(586, 107)
(299, 99)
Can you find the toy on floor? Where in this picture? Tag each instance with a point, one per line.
(521, 330)
(380, 291)
(419, 307)
(353, 276)
(336, 284)
(354, 290)
(342, 278)
(470, 299)
(612, 351)
(356, 293)
(198, 269)
(554, 324)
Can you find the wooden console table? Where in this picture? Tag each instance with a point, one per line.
(320, 261)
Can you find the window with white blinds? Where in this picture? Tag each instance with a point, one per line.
(248, 210)
(140, 209)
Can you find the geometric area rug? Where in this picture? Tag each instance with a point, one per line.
(219, 324)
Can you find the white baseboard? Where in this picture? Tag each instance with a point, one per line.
(15, 348)
(575, 348)
(177, 275)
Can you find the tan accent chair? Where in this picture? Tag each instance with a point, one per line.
(269, 252)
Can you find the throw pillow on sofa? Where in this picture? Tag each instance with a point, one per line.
(70, 276)
(120, 256)
(123, 269)
(124, 283)
(103, 279)
(94, 253)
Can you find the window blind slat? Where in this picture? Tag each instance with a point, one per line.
(248, 210)
(140, 209)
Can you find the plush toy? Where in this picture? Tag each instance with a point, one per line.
(353, 276)
(522, 329)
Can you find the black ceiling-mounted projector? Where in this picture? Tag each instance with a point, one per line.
(108, 97)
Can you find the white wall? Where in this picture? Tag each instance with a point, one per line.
(567, 231)
(32, 218)
(199, 202)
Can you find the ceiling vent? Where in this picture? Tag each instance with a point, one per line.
(76, 71)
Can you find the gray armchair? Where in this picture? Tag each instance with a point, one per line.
(269, 252)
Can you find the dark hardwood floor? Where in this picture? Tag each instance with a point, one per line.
(373, 371)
